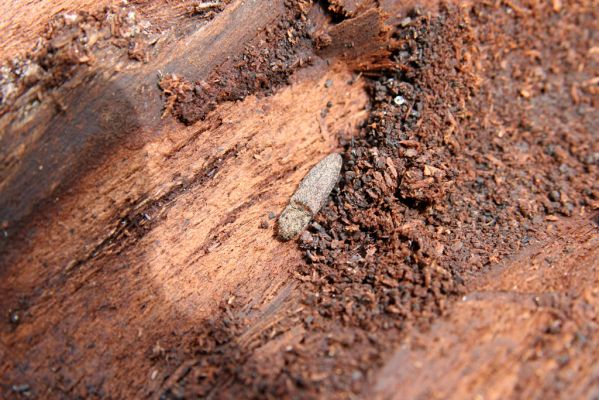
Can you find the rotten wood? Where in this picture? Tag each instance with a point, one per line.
(126, 231)
(520, 329)
(126, 224)
(100, 110)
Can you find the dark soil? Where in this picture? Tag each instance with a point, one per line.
(482, 131)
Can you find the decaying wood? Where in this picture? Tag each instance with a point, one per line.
(528, 318)
(125, 229)
(22, 23)
(156, 223)
(111, 110)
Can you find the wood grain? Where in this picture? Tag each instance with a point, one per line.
(107, 110)
(151, 224)
(23, 21)
(124, 227)
(126, 231)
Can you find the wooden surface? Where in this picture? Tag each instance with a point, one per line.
(524, 326)
(95, 292)
(122, 109)
(92, 292)
(21, 22)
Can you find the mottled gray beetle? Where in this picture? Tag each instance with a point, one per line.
(310, 196)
